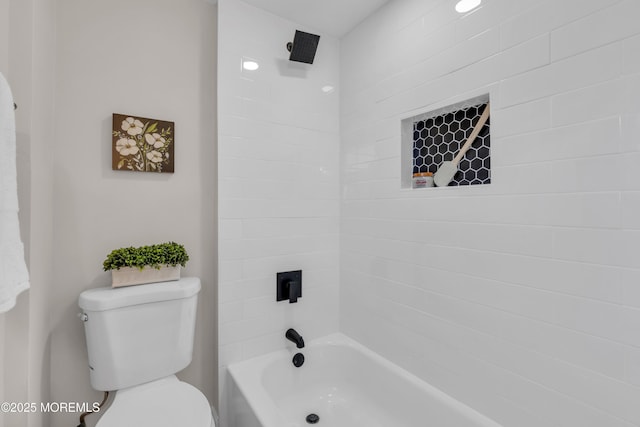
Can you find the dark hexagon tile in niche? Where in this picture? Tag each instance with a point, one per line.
(471, 154)
(446, 134)
(428, 161)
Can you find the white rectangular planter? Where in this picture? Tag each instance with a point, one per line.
(128, 276)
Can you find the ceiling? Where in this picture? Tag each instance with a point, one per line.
(333, 17)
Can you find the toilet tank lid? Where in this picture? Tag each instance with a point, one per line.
(107, 298)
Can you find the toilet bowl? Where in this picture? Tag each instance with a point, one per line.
(167, 402)
(138, 338)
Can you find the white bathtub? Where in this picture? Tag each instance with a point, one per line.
(346, 385)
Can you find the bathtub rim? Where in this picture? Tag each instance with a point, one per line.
(246, 376)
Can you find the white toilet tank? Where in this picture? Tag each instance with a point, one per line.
(139, 333)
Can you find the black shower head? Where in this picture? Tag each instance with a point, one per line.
(303, 48)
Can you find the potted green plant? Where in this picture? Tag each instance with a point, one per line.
(145, 264)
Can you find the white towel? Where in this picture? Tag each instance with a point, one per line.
(14, 277)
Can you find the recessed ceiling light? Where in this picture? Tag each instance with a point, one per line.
(328, 89)
(466, 5)
(250, 65)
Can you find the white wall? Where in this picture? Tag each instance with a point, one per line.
(278, 183)
(4, 35)
(520, 298)
(4, 66)
(37, 204)
(26, 59)
(83, 70)
(152, 59)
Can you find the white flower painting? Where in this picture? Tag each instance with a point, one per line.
(142, 145)
(132, 126)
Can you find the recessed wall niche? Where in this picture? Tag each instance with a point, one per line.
(431, 138)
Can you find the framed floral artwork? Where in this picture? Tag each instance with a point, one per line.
(141, 144)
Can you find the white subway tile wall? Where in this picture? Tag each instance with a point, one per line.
(521, 298)
(278, 185)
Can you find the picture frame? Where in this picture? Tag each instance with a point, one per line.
(140, 144)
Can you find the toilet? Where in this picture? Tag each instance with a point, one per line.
(138, 338)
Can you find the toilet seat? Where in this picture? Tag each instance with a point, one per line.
(167, 402)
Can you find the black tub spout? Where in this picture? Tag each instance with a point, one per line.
(294, 337)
